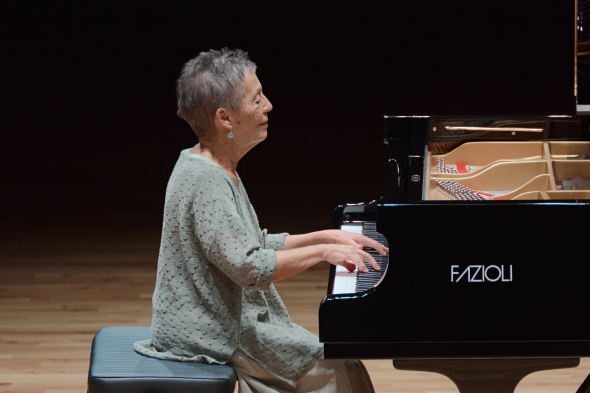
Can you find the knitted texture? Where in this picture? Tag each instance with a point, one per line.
(214, 290)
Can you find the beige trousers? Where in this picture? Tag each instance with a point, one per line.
(326, 376)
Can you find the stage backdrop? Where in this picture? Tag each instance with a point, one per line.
(90, 134)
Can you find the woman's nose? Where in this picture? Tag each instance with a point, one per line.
(268, 106)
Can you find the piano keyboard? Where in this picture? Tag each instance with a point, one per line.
(353, 282)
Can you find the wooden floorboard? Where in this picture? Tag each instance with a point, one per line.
(57, 292)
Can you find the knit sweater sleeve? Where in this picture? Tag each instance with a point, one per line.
(227, 241)
(276, 241)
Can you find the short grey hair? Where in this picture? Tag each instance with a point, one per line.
(212, 80)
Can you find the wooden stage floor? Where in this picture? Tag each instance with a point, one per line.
(57, 290)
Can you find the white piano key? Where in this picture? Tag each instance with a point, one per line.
(358, 228)
(344, 281)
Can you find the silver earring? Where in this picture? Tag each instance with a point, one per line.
(231, 134)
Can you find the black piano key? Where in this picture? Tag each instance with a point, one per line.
(365, 281)
(367, 277)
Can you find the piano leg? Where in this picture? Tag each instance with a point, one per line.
(485, 375)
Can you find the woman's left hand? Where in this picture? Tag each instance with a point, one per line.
(338, 236)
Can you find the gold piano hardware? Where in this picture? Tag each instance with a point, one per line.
(508, 129)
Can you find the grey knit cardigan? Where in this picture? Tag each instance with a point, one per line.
(214, 290)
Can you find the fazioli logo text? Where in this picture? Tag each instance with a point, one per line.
(482, 273)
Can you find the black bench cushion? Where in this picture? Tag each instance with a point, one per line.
(116, 367)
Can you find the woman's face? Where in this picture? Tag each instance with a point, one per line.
(250, 124)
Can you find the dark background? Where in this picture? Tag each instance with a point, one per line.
(91, 134)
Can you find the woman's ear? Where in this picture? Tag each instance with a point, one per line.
(222, 118)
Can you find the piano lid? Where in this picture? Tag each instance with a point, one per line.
(481, 58)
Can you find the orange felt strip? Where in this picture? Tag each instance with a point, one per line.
(485, 194)
(461, 167)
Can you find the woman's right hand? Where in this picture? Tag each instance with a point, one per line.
(348, 256)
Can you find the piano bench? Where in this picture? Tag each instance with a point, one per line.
(116, 367)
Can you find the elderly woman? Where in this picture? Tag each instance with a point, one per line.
(214, 299)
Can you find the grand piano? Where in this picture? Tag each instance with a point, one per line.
(486, 212)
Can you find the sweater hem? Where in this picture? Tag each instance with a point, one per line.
(147, 348)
